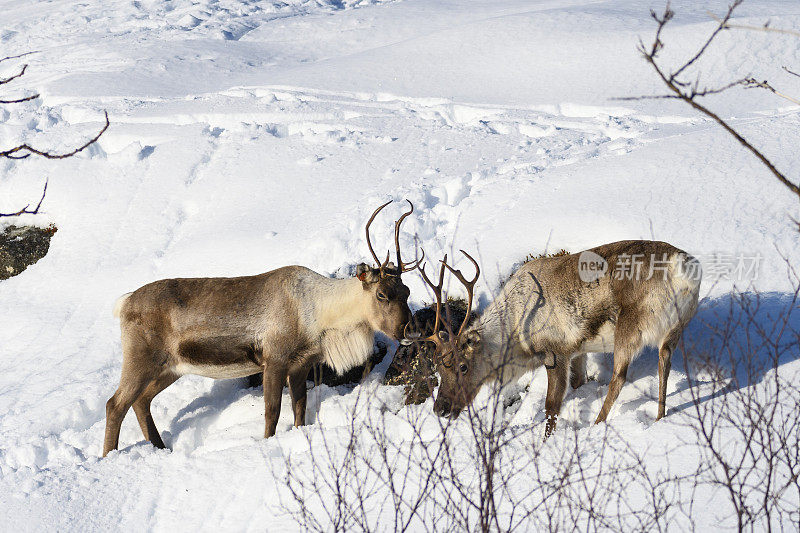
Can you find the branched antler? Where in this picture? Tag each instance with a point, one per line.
(381, 265)
(401, 267)
(437, 292)
(470, 286)
(448, 344)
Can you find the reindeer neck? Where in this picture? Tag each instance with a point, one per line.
(343, 305)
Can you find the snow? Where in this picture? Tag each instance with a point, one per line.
(250, 135)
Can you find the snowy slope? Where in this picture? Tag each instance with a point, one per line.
(249, 135)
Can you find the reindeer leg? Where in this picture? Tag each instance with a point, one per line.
(668, 345)
(131, 384)
(299, 393)
(627, 343)
(274, 377)
(556, 389)
(142, 407)
(577, 372)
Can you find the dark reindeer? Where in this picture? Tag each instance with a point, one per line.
(278, 323)
(547, 313)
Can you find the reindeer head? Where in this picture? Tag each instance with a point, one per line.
(388, 295)
(459, 357)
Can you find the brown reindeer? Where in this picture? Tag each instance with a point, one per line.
(278, 323)
(616, 297)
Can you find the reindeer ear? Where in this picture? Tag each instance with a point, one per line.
(362, 271)
(473, 337)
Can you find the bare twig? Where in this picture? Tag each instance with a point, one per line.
(17, 56)
(702, 50)
(693, 93)
(25, 150)
(25, 209)
(752, 83)
(20, 100)
(791, 72)
(15, 76)
(19, 74)
(727, 25)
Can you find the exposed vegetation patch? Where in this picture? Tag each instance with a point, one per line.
(22, 246)
(413, 365)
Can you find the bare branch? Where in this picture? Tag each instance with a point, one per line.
(727, 25)
(18, 56)
(694, 93)
(752, 83)
(20, 100)
(19, 74)
(689, 93)
(702, 50)
(15, 76)
(25, 209)
(24, 150)
(791, 72)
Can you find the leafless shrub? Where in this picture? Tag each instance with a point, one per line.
(395, 467)
(743, 408)
(690, 91)
(421, 472)
(24, 150)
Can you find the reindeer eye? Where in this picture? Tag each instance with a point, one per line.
(382, 297)
(463, 368)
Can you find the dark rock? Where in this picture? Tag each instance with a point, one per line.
(413, 365)
(22, 246)
(327, 376)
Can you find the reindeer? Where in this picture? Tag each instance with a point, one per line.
(278, 323)
(616, 297)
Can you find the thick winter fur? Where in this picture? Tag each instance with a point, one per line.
(119, 303)
(344, 349)
(546, 314)
(278, 323)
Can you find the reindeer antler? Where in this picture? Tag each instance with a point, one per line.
(437, 291)
(470, 286)
(401, 267)
(404, 267)
(381, 266)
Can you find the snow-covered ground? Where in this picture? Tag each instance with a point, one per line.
(247, 135)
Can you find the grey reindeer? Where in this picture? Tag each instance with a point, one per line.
(618, 297)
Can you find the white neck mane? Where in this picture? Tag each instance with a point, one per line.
(346, 337)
